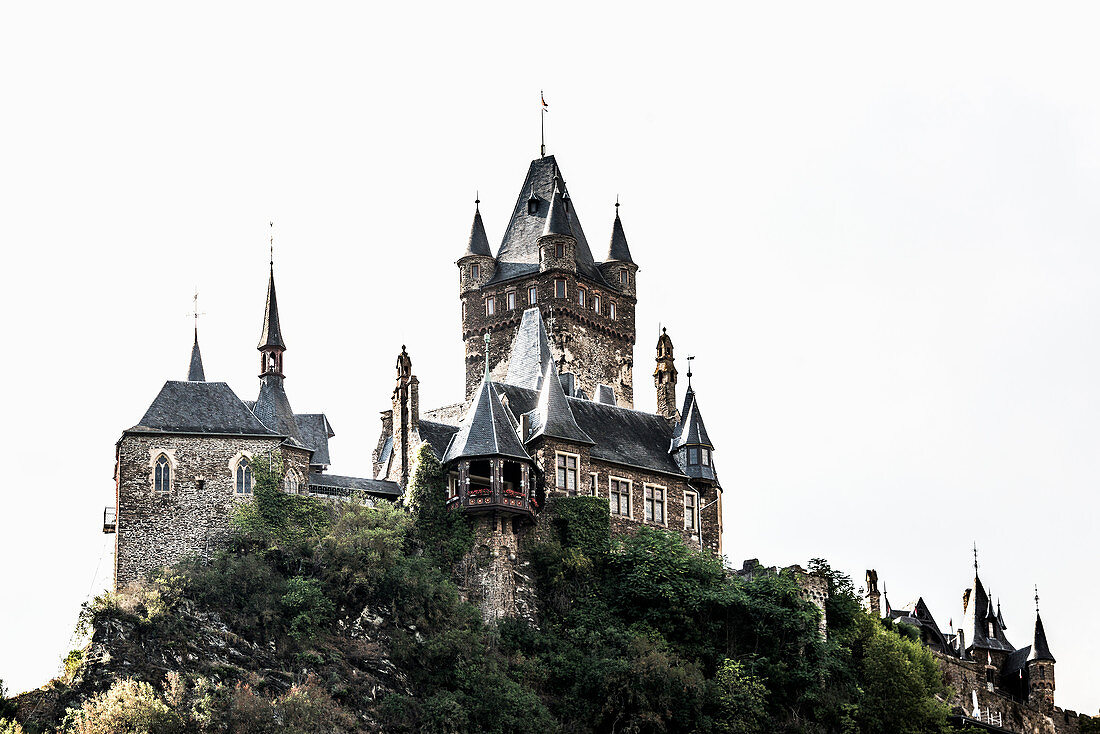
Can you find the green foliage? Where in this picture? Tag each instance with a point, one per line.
(128, 707)
(7, 706)
(441, 533)
(274, 518)
(307, 607)
(10, 726)
(72, 663)
(1090, 724)
(584, 523)
(740, 700)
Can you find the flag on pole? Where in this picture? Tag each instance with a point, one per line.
(543, 97)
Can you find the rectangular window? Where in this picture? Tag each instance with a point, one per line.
(655, 505)
(559, 251)
(611, 311)
(693, 457)
(532, 296)
(691, 513)
(475, 271)
(567, 472)
(619, 497)
(490, 306)
(706, 457)
(593, 483)
(596, 303)
(559, 289)
(511, 300)
(624, 277)
(580, 297)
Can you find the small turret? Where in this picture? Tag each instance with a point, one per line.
(619, 268)
(1040, 665)
(558, 244)
(664, 377)
(271, 344)
(272, 405)
(476, 266)
(691, 446)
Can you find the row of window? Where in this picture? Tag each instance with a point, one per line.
(561, 291)
(655, 497)
(242, 476)
(559, 252)
(698, 455)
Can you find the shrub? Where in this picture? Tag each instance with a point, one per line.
(128, 707)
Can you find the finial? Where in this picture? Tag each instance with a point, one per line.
(542, 122)
(271, 244)
(195, 311)
(975, 558)
(477, 201)
(1036, 599)
(486, 356)
(689, 382)
(616, 206)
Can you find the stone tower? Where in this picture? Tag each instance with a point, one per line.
(544, 261)
(664, 377)
(1040, 666)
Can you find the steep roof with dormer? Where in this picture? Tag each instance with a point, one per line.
(519, 249)
(981, 617)
(552, 416)
(486, 430)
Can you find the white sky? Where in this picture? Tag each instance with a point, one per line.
(875, 228)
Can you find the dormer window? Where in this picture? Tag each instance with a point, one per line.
(475, 271)
(533, 205)
(162, 474)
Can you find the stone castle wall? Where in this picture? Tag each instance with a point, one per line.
(191, 519)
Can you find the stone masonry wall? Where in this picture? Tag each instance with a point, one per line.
(192, 518)
(494, 576)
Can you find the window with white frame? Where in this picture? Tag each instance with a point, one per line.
(691, 513)
(162, 474)
(596, 302)
(244, 476)
(693, 456)
(619, 496)
(593, 484)
(532, 295)
(611, 310)
(581, 293)
(559, 289)
(567, 472)
(654, 504)
(511, 300)
(490, 305)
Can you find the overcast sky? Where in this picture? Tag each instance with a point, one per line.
(876, 229)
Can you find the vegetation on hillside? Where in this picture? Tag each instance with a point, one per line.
(349, 619)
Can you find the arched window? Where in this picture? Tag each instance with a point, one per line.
(162, 474)
(291, 483)
(244, 476)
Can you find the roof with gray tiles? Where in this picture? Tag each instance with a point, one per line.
(1040, 650)
(690, 430)
(437, 435)
(200, 407)
(318, 482)
(618, 249)
(315, 431)
(273, 409)
(519, 249)
(552, 416)
(486, 430)
(978, 616)
(530, 352)
(195, 372)
(479, 242)
(272, 335)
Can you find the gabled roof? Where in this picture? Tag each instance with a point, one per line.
(690, 429)
(552, 416)
(530, 352)
(1040, 650)
(519, 249)
(195, 372)
(618, 249)
(200, 407)
(272, 335)
(273, 409)
(486, 430)
(478, 243)
(315, 431)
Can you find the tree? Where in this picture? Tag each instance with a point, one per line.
(441, 533)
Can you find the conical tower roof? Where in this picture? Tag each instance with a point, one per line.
(195, 372)
(272, 335)
(979, 615)
(486, 430)
(557, 221)
(690, 430)
(479, 243)
(273, 409)
(1040, 650)
(618, 249)
(552, 417)
(530, 353)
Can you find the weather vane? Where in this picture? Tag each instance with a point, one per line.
(195, 309)
(542, 120)
(689, 371)
(271, 244)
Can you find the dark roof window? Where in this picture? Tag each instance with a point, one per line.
(533, 205)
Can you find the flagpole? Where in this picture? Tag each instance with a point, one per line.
(542, 126)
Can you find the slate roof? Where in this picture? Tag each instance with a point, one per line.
(273, 409)
(690, 430)
(518, 254)
(315, 431)
(557, 221)
(272, 335)
(200, 407)
(1016, 661)
(618, 249)
(479, 243)
(318, 481)
(552, 416)
(623, 436)
(486, 430)
(1040, 650)
(195, 372)
(530, 352)
(978, 615)
(436, 435)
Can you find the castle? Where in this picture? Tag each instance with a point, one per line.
(548, 411)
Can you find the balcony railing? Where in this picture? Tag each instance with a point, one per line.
(110, 519)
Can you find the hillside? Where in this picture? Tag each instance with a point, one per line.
(344, 618)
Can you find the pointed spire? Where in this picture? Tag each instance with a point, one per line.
(618, 249)
(1040, 649)
(690, 429)
(530, 352)
(557, 221)
(486, 430)
(195, 373)
(479, 242)
(272, 335)
(552, 416)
